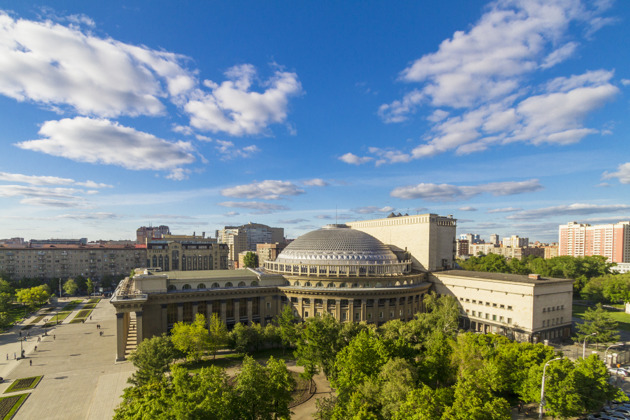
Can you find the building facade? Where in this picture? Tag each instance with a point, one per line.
(246, 237)
(524, 308)
(610, 240)
(186, 253)
(146, 233)
(63, 261)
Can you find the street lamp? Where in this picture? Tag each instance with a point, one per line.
(542, 389)
(584, 345)
(606, 352)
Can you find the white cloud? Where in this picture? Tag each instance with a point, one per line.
(481, 74)
(623, 173)
(569, 210)
(232, 213)
(625, 82)
(467, 208)
(373, 209)
(266, 190)
(48, 180)
(54, 65)
(504, 210)
(233, 108)
(89, 216)
(447, 192)
(315, 182)
(227, 150)
(103, 141)
(44, 195)
(292, 221)
(353, 159)
(254, 205)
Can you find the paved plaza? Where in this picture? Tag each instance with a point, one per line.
(80, 378)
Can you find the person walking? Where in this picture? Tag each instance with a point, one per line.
(54, 337)
(30, 363)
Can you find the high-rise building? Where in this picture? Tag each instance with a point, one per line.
(146, 233)
(515, 241)
(610, 240)
(246, 237)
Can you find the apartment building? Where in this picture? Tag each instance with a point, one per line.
(609, 240)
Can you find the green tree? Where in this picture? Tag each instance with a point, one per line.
(89, 285)
(318, 344)
(5, 287)
(152, 358)
(244, 338)
(424, 403)
(33, 296)
(598, 326)
(250, 260)
(287, 324)
(397, 378)
(253, 390)
(191, 339)
(281, 385)
(70, 287)
(218, 334)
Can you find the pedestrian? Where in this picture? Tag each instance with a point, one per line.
(30, 362)
(39, 339)
(90, 317)
(54, 337)
(101, 333)
(35, 348)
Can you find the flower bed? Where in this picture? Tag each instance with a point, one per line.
(23, 384)
(10, 405)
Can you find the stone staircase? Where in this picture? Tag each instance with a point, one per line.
(132, 335)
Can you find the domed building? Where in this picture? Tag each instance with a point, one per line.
(350, 275)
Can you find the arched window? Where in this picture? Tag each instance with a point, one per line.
(241, 284)
(161, 262)
(320, 284)
(331, 284)
(297, 283)
(215, 285)
(254, 283)
(186, 287)
(307, 284)
(342, 285)
(378, 285)
(201, 286)
(171, 287)
(154, 261)
(229, 284)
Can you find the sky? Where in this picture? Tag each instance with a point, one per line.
(512, 116)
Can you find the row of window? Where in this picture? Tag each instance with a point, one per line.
(552, 321)
(480, 302)
(489, 317)
(553, 308)
(215, 285)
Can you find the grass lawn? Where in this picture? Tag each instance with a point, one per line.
(621, 317)
(59, 317)
(23, 384)
(10, 405)
(39, 318)
(94, 300)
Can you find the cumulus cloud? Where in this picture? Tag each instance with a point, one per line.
(49, 180)
(54, 65)
(373, 209)
(102, 141)
(622, 174)
(266, 190)
(569, 210)
(480, 76)
(315, 182)
(232, 107)
(448, 192)
(353, 159)
(254, 205)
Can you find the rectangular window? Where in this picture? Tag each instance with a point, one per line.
(370, 315)
(380, 314)
(487, 303)
(487, 316)
(500, 319)
(502, 306)
(509, 320)
(268, 305)
(356, 316)
(474, 313)
(474, 301)
(494, 305)
(305, 314)
(509, 308)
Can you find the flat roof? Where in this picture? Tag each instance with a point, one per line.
(208, 274)
(517, 278)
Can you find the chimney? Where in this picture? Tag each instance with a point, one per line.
(534, 276)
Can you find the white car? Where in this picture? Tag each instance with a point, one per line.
(618, 371)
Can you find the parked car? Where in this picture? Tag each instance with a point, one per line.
(618, 371)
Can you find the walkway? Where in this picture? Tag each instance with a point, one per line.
(81, 380)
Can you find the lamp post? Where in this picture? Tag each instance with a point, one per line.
(606, 353)
(584, 345)
(542, 389)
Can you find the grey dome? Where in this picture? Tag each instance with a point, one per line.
(336, 244)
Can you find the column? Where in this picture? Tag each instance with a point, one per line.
(338, 309)
(250, 311)
(397, 309)
(180, 312)
(121, 338)
(312, 307)
(363, 309)
(351, 309)
(195, 308)
(224, 311)
(237, 310)
(164, 318)
(139, 336)
(386, 311)
(209, 312)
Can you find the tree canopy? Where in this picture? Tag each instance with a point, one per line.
(33, 296)
(191, 339)
(250, 260)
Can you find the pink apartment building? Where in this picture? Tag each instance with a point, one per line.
(611, 240)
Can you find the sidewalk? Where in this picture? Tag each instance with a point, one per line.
(81, 379)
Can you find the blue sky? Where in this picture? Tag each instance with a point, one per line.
(511, 115)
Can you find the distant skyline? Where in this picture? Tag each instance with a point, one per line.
(510, 115)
